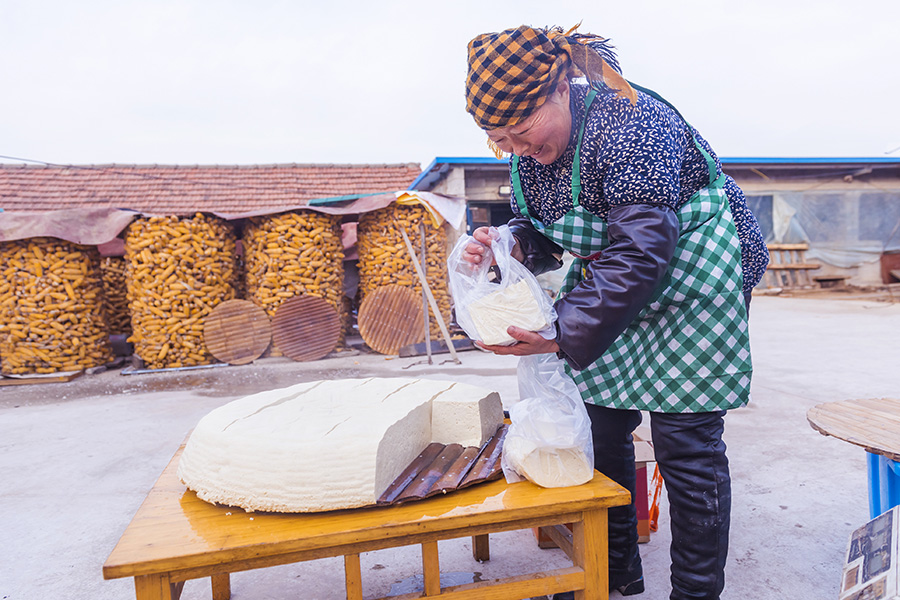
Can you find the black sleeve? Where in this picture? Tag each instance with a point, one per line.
(619, 283)
(541, 254)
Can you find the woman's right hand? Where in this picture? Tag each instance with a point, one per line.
(474, 252)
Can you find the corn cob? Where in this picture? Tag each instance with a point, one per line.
(51, 307)
(384, 259)
(112, 270)
(177, 271)
(294, 253)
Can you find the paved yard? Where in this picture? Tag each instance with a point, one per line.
(76, 460)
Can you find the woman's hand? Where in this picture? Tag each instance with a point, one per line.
(528, 342)
(474, 252)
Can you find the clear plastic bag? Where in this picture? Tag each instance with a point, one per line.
(487, 305)
(549, 441)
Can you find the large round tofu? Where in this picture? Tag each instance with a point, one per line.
(329, 445)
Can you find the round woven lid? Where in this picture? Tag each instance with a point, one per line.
(306, 328)
(237, 332)
(390, 317)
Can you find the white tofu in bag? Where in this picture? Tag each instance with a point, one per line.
(512, 305)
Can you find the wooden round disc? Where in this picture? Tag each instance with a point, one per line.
(306, 328)
(390, 318)
(237, 332)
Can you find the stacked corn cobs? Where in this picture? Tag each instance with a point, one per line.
(112, 269)
(292, 254)
(177, 271)
(384, 258)
(51, 308)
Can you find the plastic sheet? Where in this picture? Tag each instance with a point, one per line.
(843, 229)
(486, 305)
(549, 441)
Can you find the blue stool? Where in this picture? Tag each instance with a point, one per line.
(884, 483)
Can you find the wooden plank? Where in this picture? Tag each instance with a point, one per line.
(425, 458)
(456, 472)
(543, 583)
(780, 247)
(849, 418)
(792, 266)
(423, 483)
(221, 586)
(481, 547)
(353, 577)
(155, 587)
(263, 557)
(487, 465)
(562, 537)
(9, 380)
(590, 551)
(389, 319)
(306, 328)
(237, 332)
(873, 424)
(174, 531)
(431, 569)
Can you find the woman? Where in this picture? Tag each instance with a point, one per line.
(652, 315)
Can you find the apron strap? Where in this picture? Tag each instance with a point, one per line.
(576, 161)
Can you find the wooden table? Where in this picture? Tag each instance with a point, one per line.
(873, 424)
(175, 537)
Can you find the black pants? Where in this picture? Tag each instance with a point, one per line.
(691, 457)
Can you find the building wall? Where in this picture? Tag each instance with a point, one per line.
(850, 218)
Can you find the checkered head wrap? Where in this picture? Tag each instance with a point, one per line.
(512, 73)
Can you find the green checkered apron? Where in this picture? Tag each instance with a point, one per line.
(688, 350)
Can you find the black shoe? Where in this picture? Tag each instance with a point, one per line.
(629, 589)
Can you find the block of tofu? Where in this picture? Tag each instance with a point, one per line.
(547, 466)
(512, 305)
(328, 445)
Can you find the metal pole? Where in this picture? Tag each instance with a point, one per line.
(425, 297)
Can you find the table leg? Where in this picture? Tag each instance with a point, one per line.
(431, 568)
(221, 586)
(481, 547)
(353, 577)
(591, 553)
(155, 587)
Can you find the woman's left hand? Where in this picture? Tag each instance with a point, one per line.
(528, 342)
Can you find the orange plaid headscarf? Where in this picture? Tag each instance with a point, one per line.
(512, 73)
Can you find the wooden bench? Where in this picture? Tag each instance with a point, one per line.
(788, 267)
(175, 536)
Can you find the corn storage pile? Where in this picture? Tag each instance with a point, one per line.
(112, 270)
(384, 259)
(177, 271)
(294, 253)
(51, 308)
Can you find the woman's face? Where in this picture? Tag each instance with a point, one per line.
(544, 134)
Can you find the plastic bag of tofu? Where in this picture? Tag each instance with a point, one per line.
(549, 441)
(489, 299)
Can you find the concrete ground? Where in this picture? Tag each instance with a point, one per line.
(77, 459)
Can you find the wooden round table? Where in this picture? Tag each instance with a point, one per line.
(873, 424)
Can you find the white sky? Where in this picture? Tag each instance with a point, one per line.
(369, 81)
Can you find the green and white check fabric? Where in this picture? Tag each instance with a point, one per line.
(689, 349)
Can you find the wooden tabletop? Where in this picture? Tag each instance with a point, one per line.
(174, 530)
(873, 424)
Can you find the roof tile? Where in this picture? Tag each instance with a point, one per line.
(180, 189)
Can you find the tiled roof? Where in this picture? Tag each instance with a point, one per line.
(159, 189)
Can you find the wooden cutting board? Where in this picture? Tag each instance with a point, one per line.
(390, 318)
(237, 332)
(306, 328)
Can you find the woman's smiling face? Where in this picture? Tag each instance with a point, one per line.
(544, 134)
